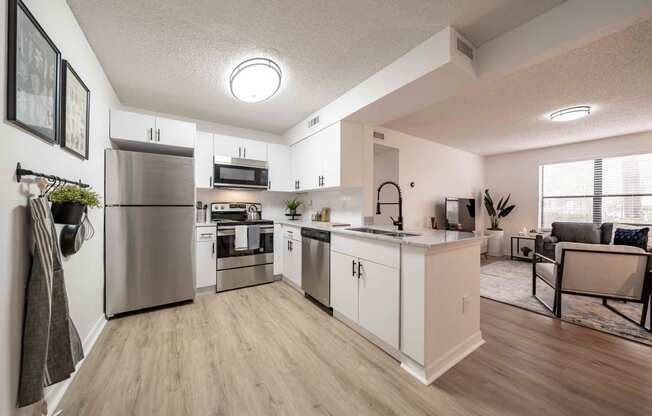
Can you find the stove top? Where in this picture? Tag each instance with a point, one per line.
(229, 222)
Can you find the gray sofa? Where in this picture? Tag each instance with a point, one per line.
(572, 232)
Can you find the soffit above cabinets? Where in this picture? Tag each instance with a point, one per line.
(175, 56)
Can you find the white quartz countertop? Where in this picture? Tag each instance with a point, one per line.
(426, 237)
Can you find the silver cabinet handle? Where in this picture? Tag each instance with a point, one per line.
(239, 151)
(150, 134)
(213, 247)
(245, 152)
(158, 135)
(353, 268)
(211, 181)
(359, 269)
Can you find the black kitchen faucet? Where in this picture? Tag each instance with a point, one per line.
(397, 223)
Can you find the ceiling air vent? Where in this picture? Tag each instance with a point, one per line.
(465, 48)
(379, 135)
(313, 121)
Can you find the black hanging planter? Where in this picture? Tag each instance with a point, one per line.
(67, 212)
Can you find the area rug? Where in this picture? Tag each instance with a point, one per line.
(511, 282)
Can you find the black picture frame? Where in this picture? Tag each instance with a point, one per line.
(66, 73)
(16, 80)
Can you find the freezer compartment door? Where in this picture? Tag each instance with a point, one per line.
(134, 178)
(149, 257)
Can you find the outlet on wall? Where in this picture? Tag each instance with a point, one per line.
(466, 303)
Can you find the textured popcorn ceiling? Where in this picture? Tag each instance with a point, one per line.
(613, 75)
(174, 56)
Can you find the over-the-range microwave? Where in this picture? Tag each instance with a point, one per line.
(231, 172)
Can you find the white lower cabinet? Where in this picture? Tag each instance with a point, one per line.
(292, 260)
(205, 257)
(366, 292)
(344, 285)
(378, 301)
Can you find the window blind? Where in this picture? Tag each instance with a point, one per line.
(617, 189)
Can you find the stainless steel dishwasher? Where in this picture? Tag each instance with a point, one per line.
(316, 265)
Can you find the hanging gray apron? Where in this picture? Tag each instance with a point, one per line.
(51, 344)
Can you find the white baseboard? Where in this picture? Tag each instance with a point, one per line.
(454, 356)
(56, 392)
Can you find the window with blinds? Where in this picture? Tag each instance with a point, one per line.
(617, 189)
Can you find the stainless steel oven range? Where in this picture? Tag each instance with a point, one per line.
(245, 247)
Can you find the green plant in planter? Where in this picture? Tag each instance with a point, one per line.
(75, 194)
(70, 201)
(497, 212)
(293, 204)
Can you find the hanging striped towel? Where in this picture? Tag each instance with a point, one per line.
(51, 344)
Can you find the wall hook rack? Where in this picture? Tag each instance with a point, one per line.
(20, 172)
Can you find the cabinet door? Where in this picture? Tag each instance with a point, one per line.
(312, 162)
(296, 162)
(204, 160)
(205, 263)
(280, 178)
(227, 146)
(330, 149)
(125, 125)
(344, 285)
(378, 301)
(255, 150)
(292, 261)
(175, 133)
(278, 249)
(295, 250)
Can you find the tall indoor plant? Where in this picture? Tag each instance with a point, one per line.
(496, 213)
(70, 201)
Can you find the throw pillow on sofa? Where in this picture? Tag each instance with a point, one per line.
(616, 226)
(631, 237)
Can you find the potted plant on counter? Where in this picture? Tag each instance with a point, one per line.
(70, 201)
(292, 205)
(496, 213)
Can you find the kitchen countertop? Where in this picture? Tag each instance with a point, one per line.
(427, 238)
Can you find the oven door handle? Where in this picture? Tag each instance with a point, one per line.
(222, 233)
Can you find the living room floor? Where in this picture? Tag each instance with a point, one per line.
(266, 350)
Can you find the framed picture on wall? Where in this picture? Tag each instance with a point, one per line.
(75, 112)
(33, 75)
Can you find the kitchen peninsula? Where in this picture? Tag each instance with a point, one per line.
(415, 294)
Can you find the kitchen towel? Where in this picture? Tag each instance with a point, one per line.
(241, 240)
(254, 237)
(51, 344)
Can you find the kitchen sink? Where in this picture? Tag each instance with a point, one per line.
(396, 234)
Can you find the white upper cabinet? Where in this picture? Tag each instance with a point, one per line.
(175, 132)
(254, 150)
(241, 148)
(132, 126)
(204, 160)
(128, 127)
(279, 167)
(330, 158)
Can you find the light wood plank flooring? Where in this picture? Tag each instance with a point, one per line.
(267, 351)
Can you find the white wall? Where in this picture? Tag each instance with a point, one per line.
(518, 173)
(437, 171)
(83, 271)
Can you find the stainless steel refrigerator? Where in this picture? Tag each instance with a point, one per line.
(149, 228)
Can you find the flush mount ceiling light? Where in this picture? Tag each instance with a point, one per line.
(255, 80)
(571, 113)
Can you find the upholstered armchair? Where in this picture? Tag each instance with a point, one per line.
(604, 271)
